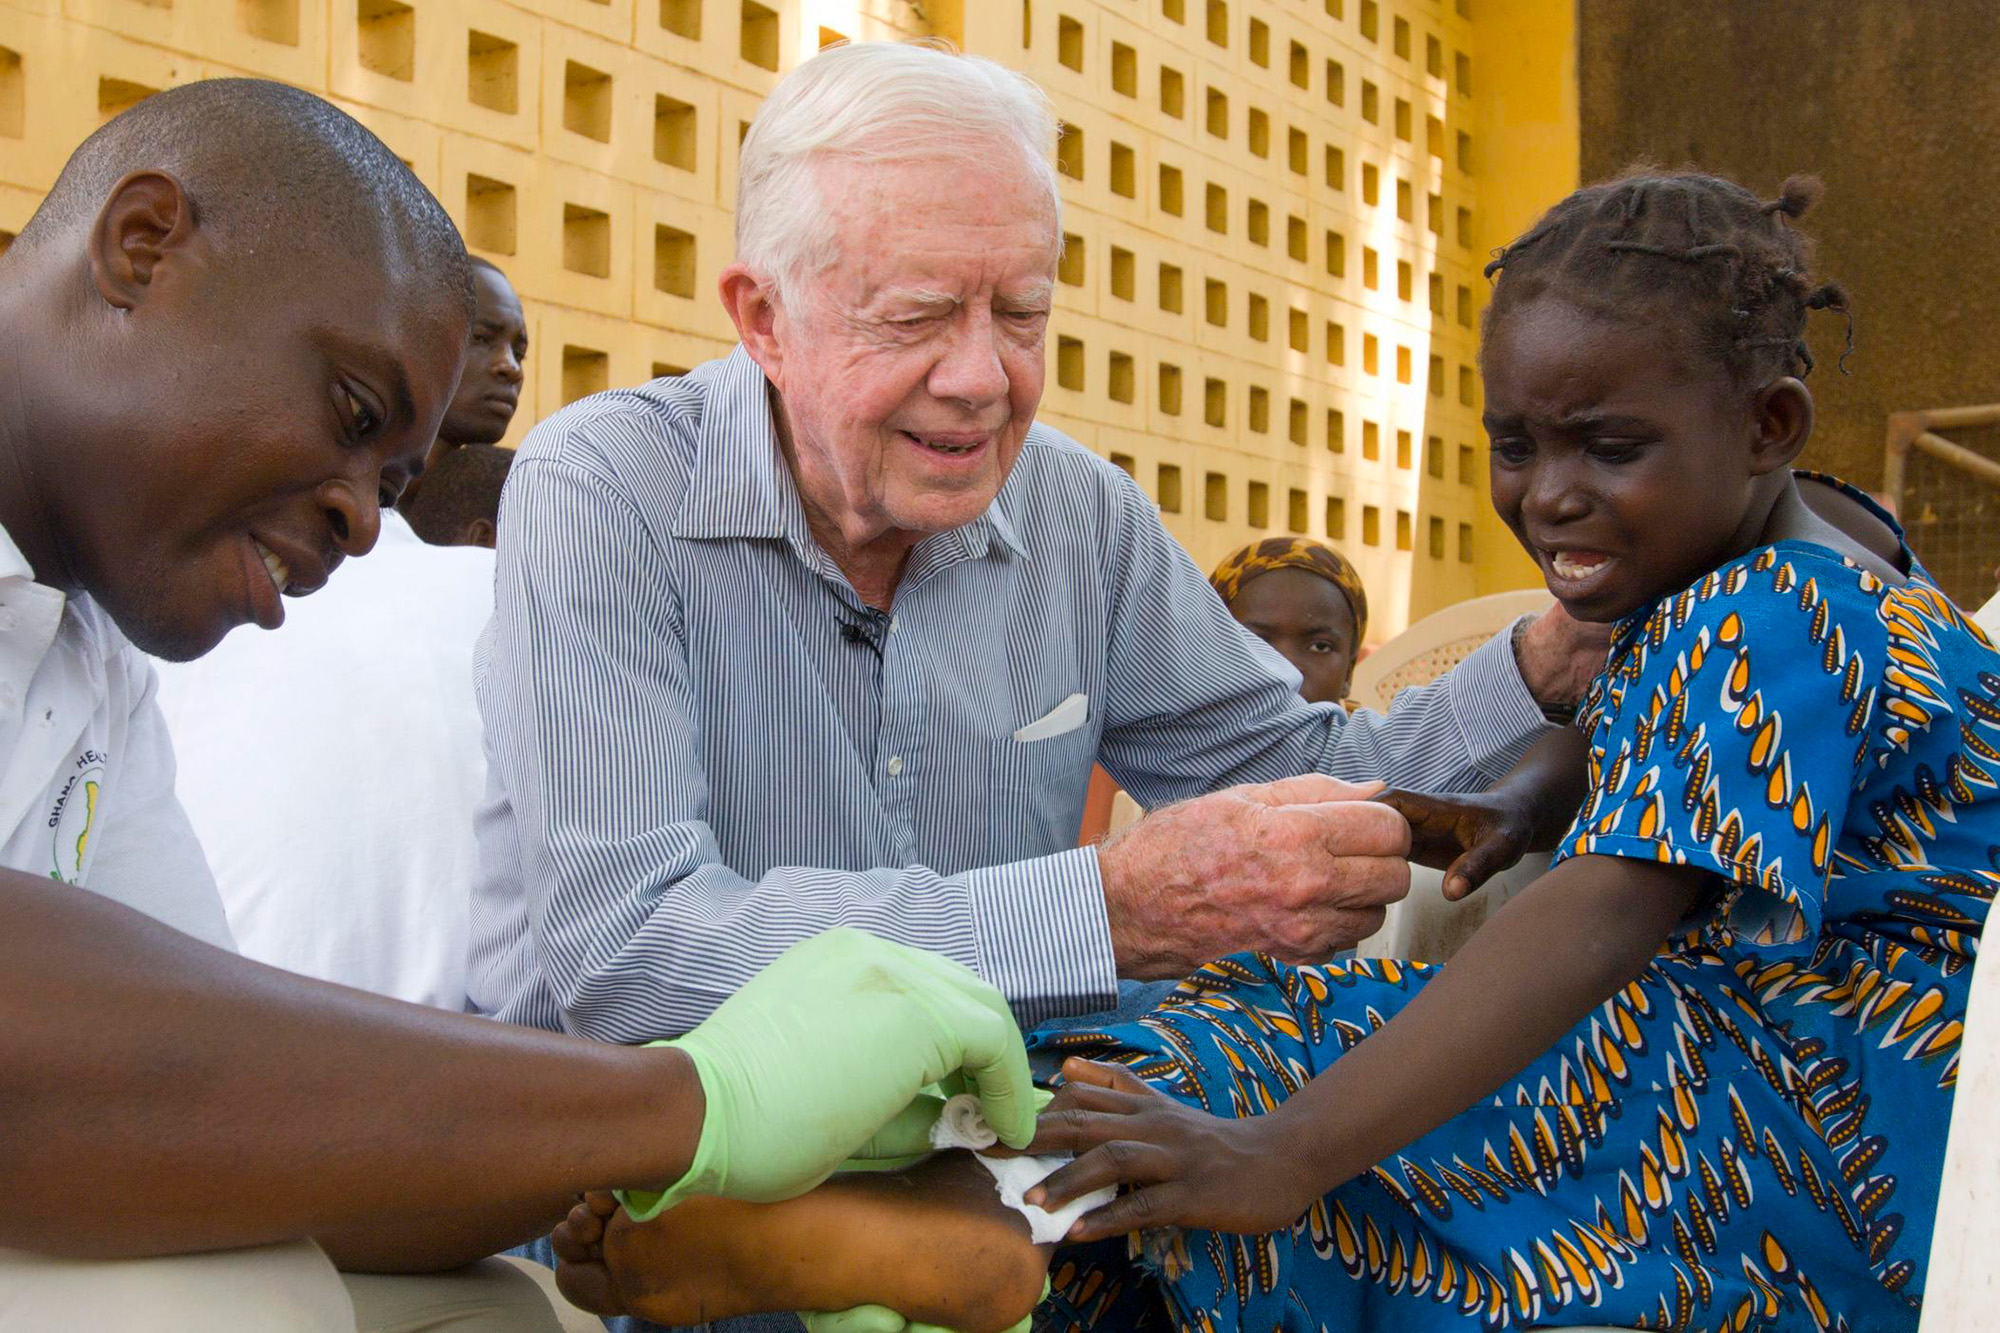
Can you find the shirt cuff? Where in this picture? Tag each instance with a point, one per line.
(1497, 718)
(1043, 936)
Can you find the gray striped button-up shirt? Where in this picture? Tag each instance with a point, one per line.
(704, 748)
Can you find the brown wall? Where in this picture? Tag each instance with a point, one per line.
(1894, 104)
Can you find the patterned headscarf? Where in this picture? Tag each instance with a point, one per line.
(1293, 553)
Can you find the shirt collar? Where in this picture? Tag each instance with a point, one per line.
(740, 486)
(13, 565)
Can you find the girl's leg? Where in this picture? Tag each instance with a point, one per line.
(933, 1242)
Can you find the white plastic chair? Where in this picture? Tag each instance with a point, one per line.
(1424, 926)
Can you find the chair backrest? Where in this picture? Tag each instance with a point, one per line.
(1962, 1290)
(1439, 642)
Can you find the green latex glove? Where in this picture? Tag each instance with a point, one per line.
(881, 1319)
(824, 1048)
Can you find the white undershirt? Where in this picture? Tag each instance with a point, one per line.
(332, 768)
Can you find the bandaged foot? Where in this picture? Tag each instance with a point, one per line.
(933, 1242)
(962, 1125)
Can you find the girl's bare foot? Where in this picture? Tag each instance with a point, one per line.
(933, 1243)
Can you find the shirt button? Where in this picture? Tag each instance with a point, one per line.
(893, 623)
(895, 765)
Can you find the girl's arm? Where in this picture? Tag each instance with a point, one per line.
(1549, 957)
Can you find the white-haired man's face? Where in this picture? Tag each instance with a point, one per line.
(910, 369)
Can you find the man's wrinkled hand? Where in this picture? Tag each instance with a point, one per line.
(1559, 656)
(1298, 869)
(816, 1055)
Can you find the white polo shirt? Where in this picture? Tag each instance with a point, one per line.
(87, 780)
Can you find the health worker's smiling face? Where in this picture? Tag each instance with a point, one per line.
(1626, 467)
(280, 429)
(910, 369)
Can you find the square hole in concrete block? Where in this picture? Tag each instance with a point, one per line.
(1371, 525)
(1465, 543)
(1403, 446)
(1258, 222)
(1170, 288)
(1336, 343)
(1170, 488)
(1297, 517)
(1299, 335)
(386, 38)
(1217, 303)
(1371, 354)
(1218, 113)
(1260, 43)
(1124, 70)
(1218, 22)
(1336, 518)
(585, 371)
(1171, 201)
(1173, 93)
(1170, 389)
(13, 95)
(1259, 132)
(1296, 422)
(1069, 151)
(682, 18)
(1124, 180)
(1123, 284)
(492, 72)
(1215, 402)
(1298, 152)
(673, 260)
(1260, 504)
(586, 241)
(665, 370)
(1405, 530)
(1260, 318)
(1260, 409)
(1070, 268)
(1069, 364)
(1437, 538)
(1371, 441)
(1069, 43)
(275, 21)
(1336, 431)
(114, 95)
(1124, 463)
(586, 101)
(489, 214)
(1118, 383)
(758, 39)
(1301, 70)
(674, 132)
(1336, 83)
(1215, 498)
(1295, 238)
(1336, 254)
(1218, 209)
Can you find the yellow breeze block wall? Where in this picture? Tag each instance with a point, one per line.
(1271, 283)
(1269, 296)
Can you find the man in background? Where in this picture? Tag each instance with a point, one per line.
(332, 771)
(490, 389)
(461, 502)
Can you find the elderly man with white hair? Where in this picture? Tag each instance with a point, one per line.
(830, 632)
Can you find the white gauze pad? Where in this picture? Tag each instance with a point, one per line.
(962, 1125)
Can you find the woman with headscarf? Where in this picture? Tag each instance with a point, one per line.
(1304, 599)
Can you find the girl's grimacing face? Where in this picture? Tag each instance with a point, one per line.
(1623, 464)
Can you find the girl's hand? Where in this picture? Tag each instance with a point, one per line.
(1191, 1169)
(1471, 836)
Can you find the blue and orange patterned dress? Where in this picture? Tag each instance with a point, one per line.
(1750, 1136)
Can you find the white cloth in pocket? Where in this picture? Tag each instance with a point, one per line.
(1065, 717)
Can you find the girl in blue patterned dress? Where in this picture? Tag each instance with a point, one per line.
(1698, 1076)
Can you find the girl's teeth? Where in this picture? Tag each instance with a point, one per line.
(1568, 567)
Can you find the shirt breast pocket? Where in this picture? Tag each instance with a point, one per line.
(1036, 780)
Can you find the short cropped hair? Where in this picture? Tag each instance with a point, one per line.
(463, 485)
(268, 168)
(876, 102)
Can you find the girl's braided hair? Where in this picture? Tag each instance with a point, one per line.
(1695, 249)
